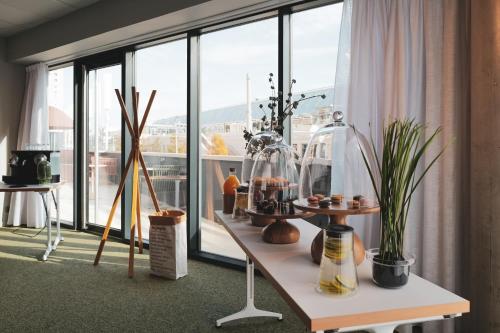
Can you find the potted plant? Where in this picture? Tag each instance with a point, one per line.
(394, 178)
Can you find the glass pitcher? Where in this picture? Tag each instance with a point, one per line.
(338, 274)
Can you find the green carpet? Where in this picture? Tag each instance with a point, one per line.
(68, 294)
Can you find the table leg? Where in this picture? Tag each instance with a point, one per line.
(249, 310)
(48, 224)
(59, 238)
(177, 189)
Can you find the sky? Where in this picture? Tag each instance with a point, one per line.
(226, 57)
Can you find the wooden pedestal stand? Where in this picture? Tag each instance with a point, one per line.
(135, 157)
(280, 231)
(338, 215)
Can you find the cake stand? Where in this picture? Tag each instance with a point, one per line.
(338, 214)
(279, 231)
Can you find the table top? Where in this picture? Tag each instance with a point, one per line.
(291, 271)
(29, 188)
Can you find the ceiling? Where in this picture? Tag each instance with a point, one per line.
(19, 15)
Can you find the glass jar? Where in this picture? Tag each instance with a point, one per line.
(44, 172)
(240, 202)
(338, 275)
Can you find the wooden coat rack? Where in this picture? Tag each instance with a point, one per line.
(135, 158)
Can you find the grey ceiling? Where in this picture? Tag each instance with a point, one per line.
(19, 15)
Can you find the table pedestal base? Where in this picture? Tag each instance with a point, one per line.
(249, 310)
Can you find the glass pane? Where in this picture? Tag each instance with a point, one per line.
(60, 100)
(163, 141)
(104, 144)
(235, 64)
(315, 39)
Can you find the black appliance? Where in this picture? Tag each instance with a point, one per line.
(24, 166)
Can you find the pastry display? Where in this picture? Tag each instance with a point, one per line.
(333, 167)
(273, 188)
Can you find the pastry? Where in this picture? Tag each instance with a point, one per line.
(325, 203)
(313, 200)
(257, 181)
(337, 198)
(358, 197)
(319, 196)
(353, 204)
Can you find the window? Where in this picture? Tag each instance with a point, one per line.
(104, 144)
(315, 39)
(234, 68)
(163, 141)
(61, 115)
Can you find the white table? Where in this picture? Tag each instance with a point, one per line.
(44, 191)
(291, 271)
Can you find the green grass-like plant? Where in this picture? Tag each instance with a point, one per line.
(404, 145)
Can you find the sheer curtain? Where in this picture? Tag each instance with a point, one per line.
(407, 59)
(27, 208)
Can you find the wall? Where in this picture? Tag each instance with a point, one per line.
(110, 24)
(11, 94)
(485, 167)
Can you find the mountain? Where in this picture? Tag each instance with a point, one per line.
(237, 113)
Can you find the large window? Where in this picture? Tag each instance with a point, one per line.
(104, 144)
(315, 39)
(234, 68)
(60, 100)
(163, 141)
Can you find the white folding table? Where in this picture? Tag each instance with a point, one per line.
(44, 191)
(291, 271)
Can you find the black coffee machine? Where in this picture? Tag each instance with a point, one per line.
(31, 167)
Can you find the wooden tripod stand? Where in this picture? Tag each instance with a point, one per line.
(135, 158)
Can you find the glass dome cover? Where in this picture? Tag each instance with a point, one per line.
(274, 180)
(258, 142)
(333, 166)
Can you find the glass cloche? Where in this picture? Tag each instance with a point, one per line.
(333, 168)
(273, 182)
(258, 142)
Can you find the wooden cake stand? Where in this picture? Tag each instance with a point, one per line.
(337, 214)
(280, 231)
(269, 192)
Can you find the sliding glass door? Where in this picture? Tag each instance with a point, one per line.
(104, 143)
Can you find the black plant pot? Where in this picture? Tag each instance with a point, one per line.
(389, 273)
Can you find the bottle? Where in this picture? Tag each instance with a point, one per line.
(231, 183)
(230, 186)
(338, 274)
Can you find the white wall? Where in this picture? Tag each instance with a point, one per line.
(11, 94)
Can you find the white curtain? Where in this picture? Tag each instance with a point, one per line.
(27, 208)
(407, 59)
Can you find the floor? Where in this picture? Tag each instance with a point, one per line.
(67, 293)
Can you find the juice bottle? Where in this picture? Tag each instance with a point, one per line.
(230, 186)
(231, 183)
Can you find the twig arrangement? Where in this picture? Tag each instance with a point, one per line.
(277, 117)
(403, 148)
